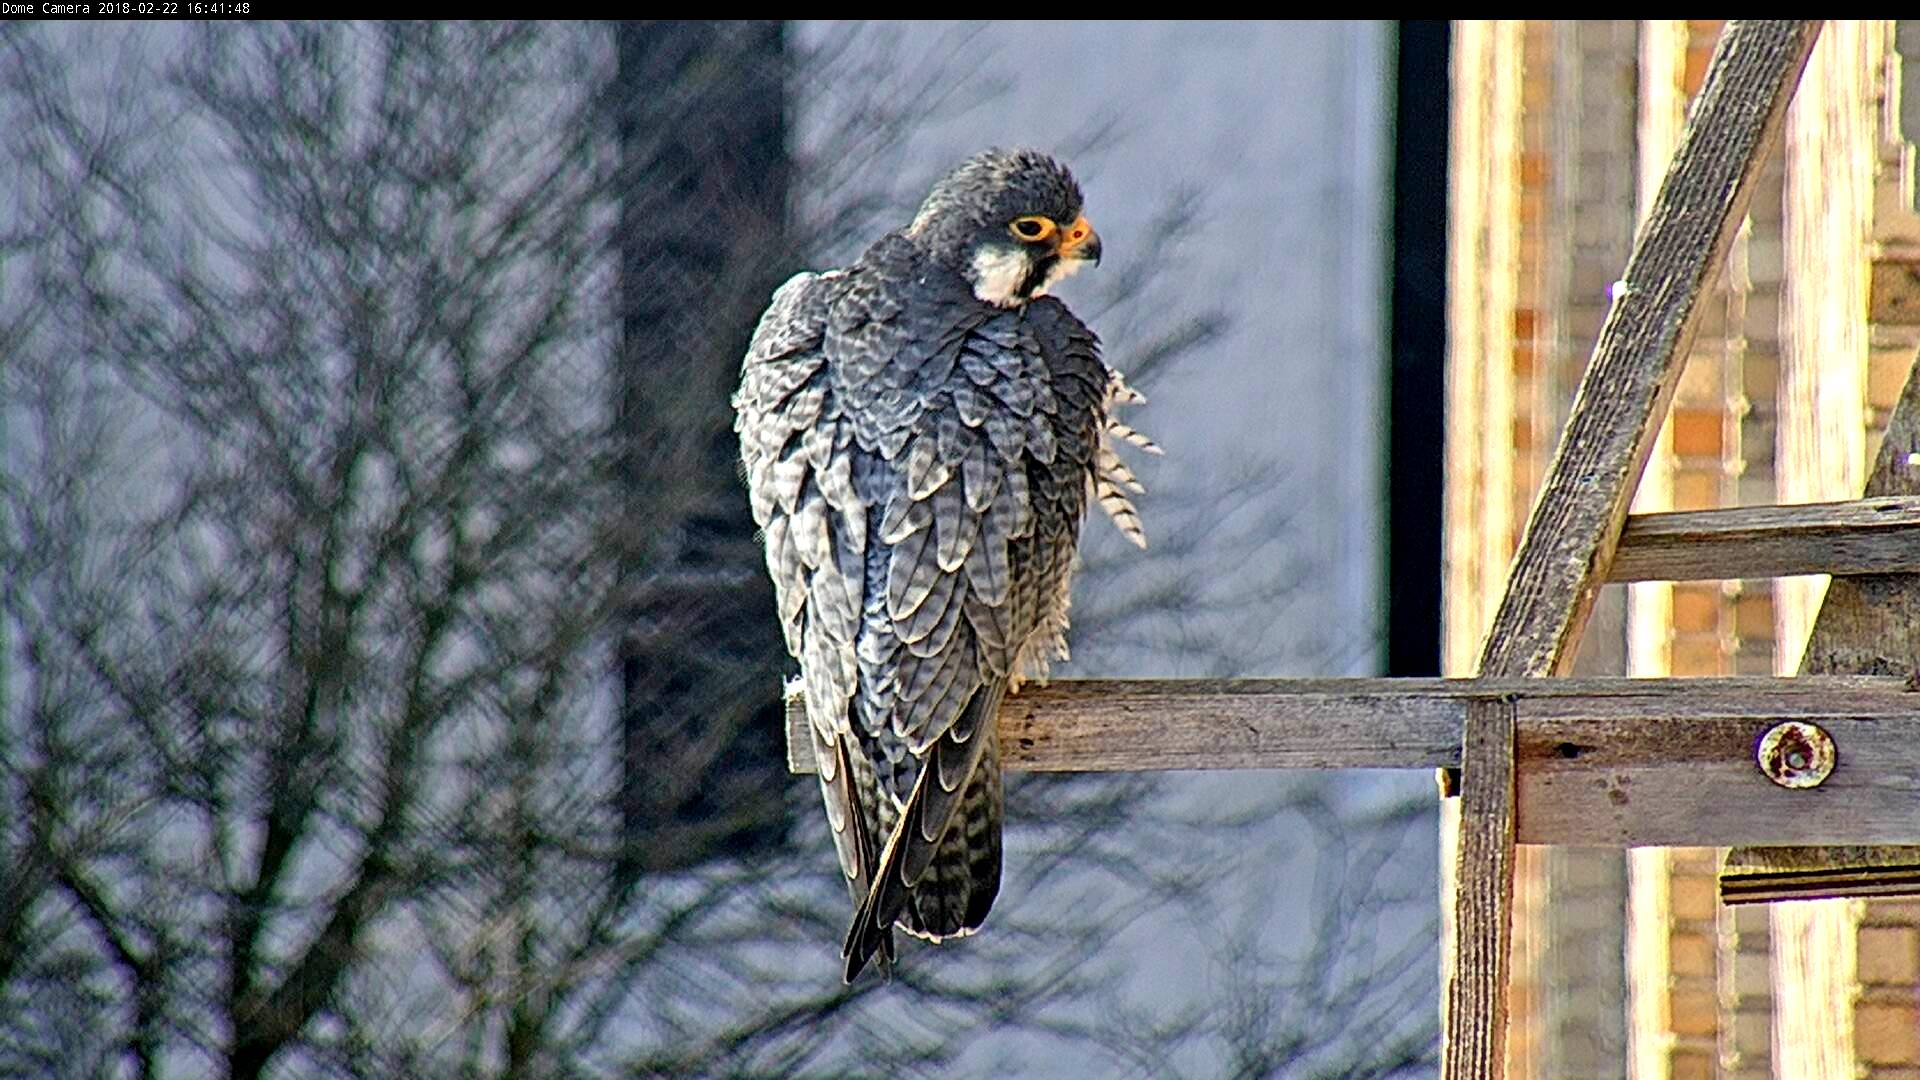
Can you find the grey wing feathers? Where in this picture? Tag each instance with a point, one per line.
(814, 526)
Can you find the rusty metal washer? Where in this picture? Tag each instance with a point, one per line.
(1795, 754)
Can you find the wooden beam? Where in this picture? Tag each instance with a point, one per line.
(1864, 536)
(1474, 1039)
(1686, 776)
(1131, 725)
(1605, 762)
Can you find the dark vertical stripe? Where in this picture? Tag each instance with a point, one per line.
(699, 109)
(1417, 388)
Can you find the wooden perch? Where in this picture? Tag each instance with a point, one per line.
(1604, 761)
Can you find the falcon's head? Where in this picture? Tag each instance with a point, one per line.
(1009, 221)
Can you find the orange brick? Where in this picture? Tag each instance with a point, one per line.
(1887, 1034)
(1523, 359)
(1693, 898)
(1698, 654)
(1691, 954)
(1695, 1011)
(1890, 955)
(1753, 614)
(1697, 489)
(1698, 432)
(1887, 375)
(1535, 93)
(1690, 1064)
(1696, 72)
(1533, 169)
(1700, 384)
(1696, 608)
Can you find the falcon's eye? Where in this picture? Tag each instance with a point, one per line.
(1032, 228)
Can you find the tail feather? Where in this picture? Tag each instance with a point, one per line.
(952, 897)
(852, 797)
(941, 867)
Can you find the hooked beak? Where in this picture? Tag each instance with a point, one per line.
(1079, 241)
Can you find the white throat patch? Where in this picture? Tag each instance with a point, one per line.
(997, 272)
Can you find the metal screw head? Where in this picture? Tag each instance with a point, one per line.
(1795, 754)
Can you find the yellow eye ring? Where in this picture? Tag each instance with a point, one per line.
(1032, 229)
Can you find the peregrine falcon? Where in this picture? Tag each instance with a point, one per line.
(921, 433)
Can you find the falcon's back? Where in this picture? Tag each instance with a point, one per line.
(919, 462)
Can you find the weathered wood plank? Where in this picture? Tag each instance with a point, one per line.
(1691, 780)
(1474, 1040)
(1107, 725)
(1864, 536)
(1606, 761)
(1576, 522)
(1088, 725)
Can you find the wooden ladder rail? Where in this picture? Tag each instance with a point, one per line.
(1576, 523)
